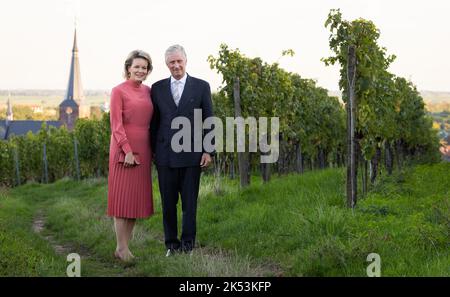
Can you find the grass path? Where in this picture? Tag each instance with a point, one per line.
(90, 261)
(63, 224)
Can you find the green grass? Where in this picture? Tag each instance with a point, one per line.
(295, 225)
(23, 253)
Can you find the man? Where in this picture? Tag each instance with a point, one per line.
(178, 172)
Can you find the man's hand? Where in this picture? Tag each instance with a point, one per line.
(205, 161)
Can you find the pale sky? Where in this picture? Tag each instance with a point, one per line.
(36, 37)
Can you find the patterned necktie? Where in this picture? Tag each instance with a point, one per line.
(176, 92)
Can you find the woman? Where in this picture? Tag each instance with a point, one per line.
(129, 180)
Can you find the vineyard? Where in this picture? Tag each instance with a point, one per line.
(381, 124)
(56, 153)
(288, 218)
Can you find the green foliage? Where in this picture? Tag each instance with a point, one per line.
(389, 109)
(92, 138)
(6, 164)
(93, 148)
(25, 112)
(308, 116)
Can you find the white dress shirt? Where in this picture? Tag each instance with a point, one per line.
(177, 87)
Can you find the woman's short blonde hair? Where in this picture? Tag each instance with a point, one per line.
(133, 55)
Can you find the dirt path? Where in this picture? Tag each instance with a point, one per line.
(62, 250)
(89, 261)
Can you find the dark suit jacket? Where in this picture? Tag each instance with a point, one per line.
(196, 95)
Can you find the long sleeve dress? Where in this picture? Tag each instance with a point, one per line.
(130, 189)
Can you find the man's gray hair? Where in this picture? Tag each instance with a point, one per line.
(175, 48)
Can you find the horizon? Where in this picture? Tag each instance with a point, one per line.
(104, 39)
(106, 90)
(98, 97)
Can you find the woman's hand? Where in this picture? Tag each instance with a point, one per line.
(130, 160)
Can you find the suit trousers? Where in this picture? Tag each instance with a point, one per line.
(175, 182)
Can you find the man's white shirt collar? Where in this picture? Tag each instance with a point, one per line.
(183, 79)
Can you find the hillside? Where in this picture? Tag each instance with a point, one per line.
(295, 225)
(51, 98)
(435, 97)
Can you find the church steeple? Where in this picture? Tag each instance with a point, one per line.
(9, 111)
(75, 48)
(74, 105)
(75, 88)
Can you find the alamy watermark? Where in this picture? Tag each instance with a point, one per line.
(74, 268)
(374, 268)
(214, 140)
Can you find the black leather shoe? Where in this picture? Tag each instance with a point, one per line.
(187, 246)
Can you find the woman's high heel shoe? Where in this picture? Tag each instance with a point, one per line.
(129, 259)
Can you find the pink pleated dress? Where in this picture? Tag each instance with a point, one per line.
(130, 189)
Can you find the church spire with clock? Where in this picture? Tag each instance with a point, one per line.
(74, 104)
